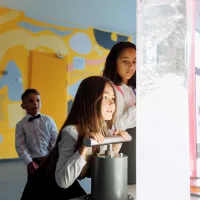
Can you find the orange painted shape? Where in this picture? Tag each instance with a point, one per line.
(48, 76)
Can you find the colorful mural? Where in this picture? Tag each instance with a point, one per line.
(85, 47)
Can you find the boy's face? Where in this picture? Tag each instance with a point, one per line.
(32, 104)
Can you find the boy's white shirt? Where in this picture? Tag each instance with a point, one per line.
(35, 139)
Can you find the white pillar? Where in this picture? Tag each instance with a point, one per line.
(163, 166)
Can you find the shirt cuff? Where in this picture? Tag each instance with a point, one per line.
(27, 161)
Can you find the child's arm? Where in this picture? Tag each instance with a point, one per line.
(70, 162)
(117, 147)
(53, 132)
(20, 144)
(124, 119)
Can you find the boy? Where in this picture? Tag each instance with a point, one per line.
(35, 134)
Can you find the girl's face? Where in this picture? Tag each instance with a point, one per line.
(126, 64)
(108, 102)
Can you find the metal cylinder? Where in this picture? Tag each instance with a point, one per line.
(109, 178)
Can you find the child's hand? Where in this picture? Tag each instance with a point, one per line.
(32, 167)
(124, 134)
(96, 136)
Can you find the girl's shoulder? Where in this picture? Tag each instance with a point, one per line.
(70, 130)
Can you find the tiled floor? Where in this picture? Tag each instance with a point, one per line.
(13, 179)
(131, 191)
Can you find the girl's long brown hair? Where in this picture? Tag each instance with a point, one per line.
(85, 114)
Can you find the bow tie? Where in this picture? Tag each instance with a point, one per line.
(33, 118)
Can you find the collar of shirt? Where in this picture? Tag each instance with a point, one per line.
(127, 88)
(129, 98)
(28, 116)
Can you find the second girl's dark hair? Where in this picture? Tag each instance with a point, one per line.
(110, 70)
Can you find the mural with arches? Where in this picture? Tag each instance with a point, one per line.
(86, 49)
